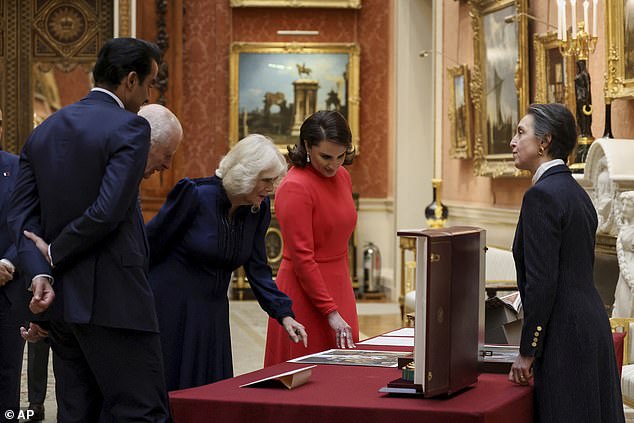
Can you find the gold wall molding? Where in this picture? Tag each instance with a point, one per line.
(619, 80)
(348, 4)
(487, 162)
(460, 140)
(542, 45)
(124, 15)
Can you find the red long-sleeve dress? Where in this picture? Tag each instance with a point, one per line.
(317, 217)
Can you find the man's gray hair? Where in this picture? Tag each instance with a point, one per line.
(163, 123)
(247, 160)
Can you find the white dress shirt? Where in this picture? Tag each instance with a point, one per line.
(544, 167)
(111, 94)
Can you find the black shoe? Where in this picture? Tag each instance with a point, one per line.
(38, 412)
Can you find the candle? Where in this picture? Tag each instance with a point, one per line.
(594, 17)
(586, 4)
(559, 37)
(564, 27)
(573, 20)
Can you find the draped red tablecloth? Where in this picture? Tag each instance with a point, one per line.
(349, 394)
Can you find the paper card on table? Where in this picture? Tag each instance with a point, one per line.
(290, 380)
(401, 332)
(394, 341)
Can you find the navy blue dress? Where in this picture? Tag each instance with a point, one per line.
(565, 325)
(194, 247)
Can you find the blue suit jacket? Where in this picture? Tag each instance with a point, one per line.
(554, 258)
(13, 290)
(78, 188)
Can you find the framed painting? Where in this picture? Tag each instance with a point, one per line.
(349, 4)
(620, 44)
(459, 112)
(500, 81)
(274, 87)
(554, 73)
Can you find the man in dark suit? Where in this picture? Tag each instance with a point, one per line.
(12, 295)
(78, 189)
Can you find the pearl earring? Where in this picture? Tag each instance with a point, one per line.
(307, 158)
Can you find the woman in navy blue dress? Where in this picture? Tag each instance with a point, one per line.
(206, 229)
(566, 344)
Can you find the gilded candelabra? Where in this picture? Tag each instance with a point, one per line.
(580, 45)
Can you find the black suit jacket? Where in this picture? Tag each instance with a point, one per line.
(554, 256)
(14, 290)
(78, 188)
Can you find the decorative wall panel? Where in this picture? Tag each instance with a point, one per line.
(40, 35)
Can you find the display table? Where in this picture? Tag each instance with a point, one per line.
(349, 393)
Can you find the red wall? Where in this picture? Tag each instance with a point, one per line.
(211, 26)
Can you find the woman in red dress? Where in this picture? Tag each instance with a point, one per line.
(317, 216)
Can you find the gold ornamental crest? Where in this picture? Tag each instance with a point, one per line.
(65, 24)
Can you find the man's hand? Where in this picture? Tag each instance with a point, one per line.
(5, 274)
(43, 294)
(34, 334)
(40, 244)
(295, 330)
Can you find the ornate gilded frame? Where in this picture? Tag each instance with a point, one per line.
(27, 41)
(617, 83)
(460, 142)
(485, 162)
(348, 4)
(353, 100)
(542, 44)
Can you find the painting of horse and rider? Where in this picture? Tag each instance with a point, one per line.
(276, 91)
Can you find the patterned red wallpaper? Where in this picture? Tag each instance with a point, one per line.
(211, 26)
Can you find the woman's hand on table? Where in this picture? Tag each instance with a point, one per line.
(295, 330)
(522, 370)
(343, 331)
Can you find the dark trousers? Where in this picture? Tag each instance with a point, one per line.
(11, 352)
(107, 375)
(37, 371)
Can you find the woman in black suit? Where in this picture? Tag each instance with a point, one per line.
(566, 343)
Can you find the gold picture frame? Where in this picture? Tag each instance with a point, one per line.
(347, 4)
(500, 83)
(267, 80)
(459, 112)
(620, 49)
(554, 72)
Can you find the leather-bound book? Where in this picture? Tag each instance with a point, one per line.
(449, 326)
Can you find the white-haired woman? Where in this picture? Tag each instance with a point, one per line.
(206, 229)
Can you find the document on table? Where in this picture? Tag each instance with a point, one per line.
(401, 332)
(393, 341)
(354, 357)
